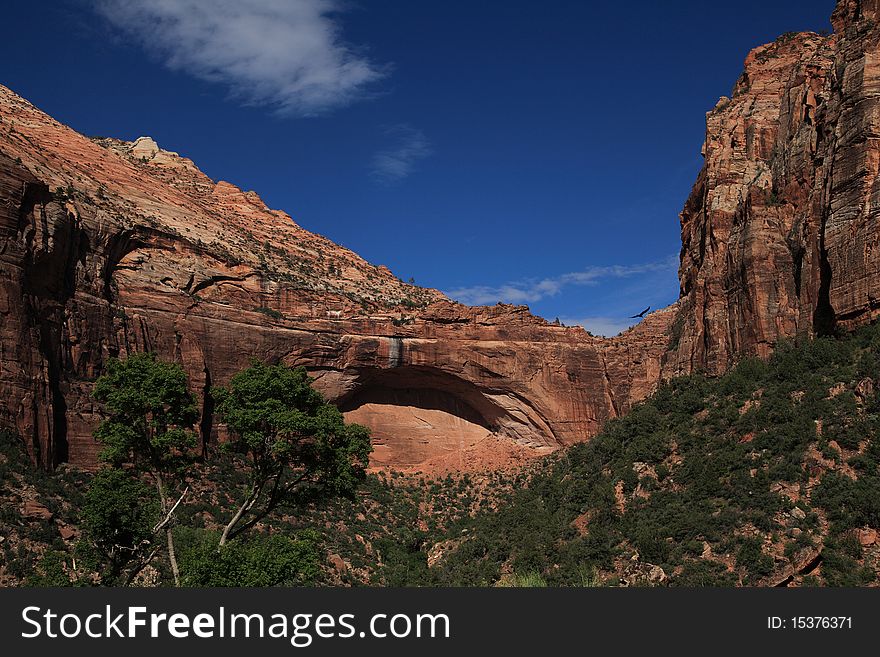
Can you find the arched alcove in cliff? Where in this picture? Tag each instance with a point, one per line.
(419, 414)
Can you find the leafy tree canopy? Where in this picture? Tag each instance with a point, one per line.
(151, 413)
(151, 416)
(297, 445)
(117, 520)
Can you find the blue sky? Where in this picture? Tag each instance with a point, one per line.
(531, 152)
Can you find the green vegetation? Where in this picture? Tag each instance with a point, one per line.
(149, 432)
(63, 194)
(288, 448)
(768, 474)
(531, 580)
(117, 520)
(257, 561)
(269, 312)
(295, 446)
(702, 480)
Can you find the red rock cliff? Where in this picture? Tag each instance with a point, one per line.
(108, 247)
(780, 233)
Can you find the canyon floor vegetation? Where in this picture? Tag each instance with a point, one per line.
(764, 476)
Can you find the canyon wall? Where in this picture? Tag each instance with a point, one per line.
(109, 247)
(780, 233)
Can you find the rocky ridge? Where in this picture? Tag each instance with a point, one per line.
(109, 247)
(780, 232)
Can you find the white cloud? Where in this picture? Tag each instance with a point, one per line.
(396, 163)
(531, 291)
(286, 54)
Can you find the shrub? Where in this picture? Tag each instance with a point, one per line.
(51, 570)
(269, 312)
(259, 560)
(531, 580)
(751, 557)
(117, 520)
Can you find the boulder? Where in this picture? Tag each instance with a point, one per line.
(34, 510)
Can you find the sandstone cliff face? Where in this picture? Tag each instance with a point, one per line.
(109, 247)
(780, 233)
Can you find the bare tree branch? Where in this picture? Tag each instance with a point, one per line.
(161, 524)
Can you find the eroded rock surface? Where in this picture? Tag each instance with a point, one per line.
(109, 247)
(780, 234)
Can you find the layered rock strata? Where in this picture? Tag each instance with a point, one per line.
(780, 233)
(109, 247)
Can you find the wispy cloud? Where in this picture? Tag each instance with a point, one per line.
(531, 291)
(604, 326)
(286, 54)
(397, 162)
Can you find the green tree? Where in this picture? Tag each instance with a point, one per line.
(151, 414)
(118, 520)
(295, 444)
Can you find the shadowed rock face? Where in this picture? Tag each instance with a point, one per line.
(108, 247)
(414, 417)
(780, 233)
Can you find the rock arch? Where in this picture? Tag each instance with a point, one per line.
(420, 413)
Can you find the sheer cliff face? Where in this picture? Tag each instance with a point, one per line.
(108, 247)
(780, 233)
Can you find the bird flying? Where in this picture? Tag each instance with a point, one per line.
(641, 314)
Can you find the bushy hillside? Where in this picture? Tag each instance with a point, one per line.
(766, 476)
(379, 538)
(769, 475)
